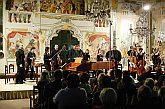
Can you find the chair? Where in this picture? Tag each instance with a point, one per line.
(34, 97)
(37, 74)
(42, 68)
(9, 72)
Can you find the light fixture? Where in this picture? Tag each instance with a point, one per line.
(98, 10)
(142, 26)
(146, 7)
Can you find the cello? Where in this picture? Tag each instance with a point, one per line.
(141, 64)
(132, 62)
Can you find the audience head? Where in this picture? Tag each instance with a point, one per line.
(73, 80)
(84, 78)
(57, 74)
(118, 73)
(108, 96)
(65, 73)
(149, 82)
(161, 91)
(126, 73)
(44, 75)
(161, 94)
(144, 93)
(98, 73)
(106, 81)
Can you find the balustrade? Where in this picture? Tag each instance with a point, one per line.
(19, 17)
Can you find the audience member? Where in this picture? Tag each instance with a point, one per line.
(52, 88)
(65, 73)
(72, 97)
(41, 85)
(108, 98)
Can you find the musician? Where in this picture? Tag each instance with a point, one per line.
(79, 52)
(55, 57)
(140, 55)
(31, 56)
(72, 53)
(64, 55)
(20, 64)
(156, 58)
(100, 55)
(131, 52)
(86, 55)
(132, 61)
(47, 59)
(140, 62)
(114, 54)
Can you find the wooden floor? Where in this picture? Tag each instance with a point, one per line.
(16, 91)
(11, 86)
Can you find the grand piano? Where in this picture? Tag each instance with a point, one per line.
(88, 66)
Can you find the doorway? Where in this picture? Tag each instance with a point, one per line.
(65, 37)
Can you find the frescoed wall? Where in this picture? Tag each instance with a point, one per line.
(52, 6)
(96, 42)
(27, 39)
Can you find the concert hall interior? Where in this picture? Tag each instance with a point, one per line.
(82, 54)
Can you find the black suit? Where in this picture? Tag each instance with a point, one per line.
(114, 54)
(54, 57)
(20, 61)
(47, 61)
(29, 63)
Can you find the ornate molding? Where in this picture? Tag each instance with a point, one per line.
(64, 24)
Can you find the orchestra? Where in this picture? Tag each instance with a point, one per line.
(60, 57)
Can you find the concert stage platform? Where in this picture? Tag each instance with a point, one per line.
(16, 91)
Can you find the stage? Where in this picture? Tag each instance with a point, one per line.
(16, 91)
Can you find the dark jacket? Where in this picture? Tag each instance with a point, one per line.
(20, 57)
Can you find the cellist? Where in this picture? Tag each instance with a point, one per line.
(132, 61)
(140, 61)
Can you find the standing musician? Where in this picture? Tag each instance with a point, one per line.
(47, 59)
(132, 61)
(64, 55)
(114, 54)
(140, 61)
(86, 56)
(72, 53)
(31, 56)
(156, 58)
(100, 55)
(55, 62)
(20, 64)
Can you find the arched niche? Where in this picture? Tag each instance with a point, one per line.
(53, 32)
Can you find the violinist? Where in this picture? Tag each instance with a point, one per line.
(31, 56)
(47, 59)
(55, 58)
